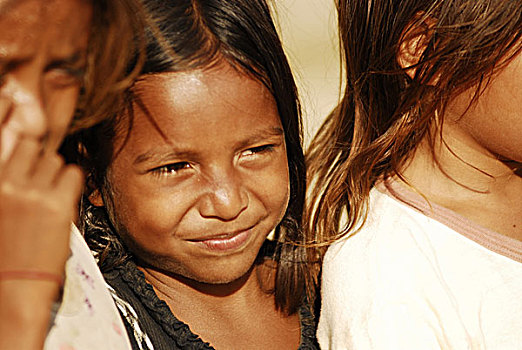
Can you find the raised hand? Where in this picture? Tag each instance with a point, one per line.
(38, 200)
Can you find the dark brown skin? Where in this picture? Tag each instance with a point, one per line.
(237, 315)
(195, 194)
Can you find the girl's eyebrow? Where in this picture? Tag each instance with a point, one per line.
(261, 135)
(163, 155)
(10, 60)
(159, 156)
(78, 57)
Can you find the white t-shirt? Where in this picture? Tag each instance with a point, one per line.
(87, 317)
(421, 277)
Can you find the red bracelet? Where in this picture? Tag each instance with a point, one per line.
(31, 275)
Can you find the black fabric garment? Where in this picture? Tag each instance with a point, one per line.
(162, 327)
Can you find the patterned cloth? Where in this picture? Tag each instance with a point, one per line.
(157, 321)
(87, 317)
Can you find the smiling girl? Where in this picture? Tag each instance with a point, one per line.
(191, 177)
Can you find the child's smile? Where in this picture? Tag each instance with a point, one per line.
(225, 242)
(203, 176)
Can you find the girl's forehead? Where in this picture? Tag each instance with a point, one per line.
(193, 83)
(51, 26)
(180, 95)
(200, 108)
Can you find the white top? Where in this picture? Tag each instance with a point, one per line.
(421, 277)
(87, 318)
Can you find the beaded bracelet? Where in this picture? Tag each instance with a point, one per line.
(31, 275)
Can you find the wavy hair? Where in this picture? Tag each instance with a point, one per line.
(117, 35)
(385, 113)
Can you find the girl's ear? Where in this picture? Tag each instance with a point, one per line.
(96, 198)
(413, 43)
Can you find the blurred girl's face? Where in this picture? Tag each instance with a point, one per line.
(202, 178)
(43, 48)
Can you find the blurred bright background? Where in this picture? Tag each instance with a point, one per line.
(308, 30)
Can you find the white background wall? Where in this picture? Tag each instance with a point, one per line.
(308, 30)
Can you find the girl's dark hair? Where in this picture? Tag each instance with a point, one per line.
(194, 34)
(385, 113)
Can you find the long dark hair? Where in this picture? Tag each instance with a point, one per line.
(385, 113)
(186, 35)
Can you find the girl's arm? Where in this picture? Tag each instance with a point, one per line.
(38, 197)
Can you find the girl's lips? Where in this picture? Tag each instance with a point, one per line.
(226, 243)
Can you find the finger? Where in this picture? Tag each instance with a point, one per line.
(46, 170)
(5, 109)
(20, 164)
(69, 184)
(6, 138)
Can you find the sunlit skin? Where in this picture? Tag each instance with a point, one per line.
(213, 163)
(194, 191)
(42, 58)
(486, 155)
(493, 125)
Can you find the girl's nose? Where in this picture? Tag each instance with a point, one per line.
(27, 110)
(28, 115)
(225, 199)
(23, 115)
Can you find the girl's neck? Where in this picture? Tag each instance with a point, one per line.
(239, 314)
(175, 286)
(470, 181)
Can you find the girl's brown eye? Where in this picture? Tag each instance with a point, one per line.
(171, 169)
(65, 76)
(259, 149)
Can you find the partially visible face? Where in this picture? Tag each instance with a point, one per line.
(203, 178)
(42, 57)
(493, 125)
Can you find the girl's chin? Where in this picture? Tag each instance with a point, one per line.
(223, 274)
(202, 273)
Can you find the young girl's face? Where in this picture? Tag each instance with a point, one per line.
(203, 176)
(43, 49)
